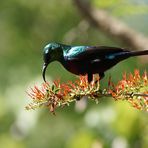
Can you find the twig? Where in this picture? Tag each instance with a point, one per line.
(132, 88)
(127, 94)
(137, 94)
(112, 26)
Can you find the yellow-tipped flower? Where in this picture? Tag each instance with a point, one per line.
(132, 88)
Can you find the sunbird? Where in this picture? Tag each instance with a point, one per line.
(82, 60)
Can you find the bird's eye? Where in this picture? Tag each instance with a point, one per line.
(46, 51)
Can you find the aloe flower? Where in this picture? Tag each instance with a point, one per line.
(132, 88)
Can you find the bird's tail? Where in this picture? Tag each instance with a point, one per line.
(138, 53)
(127, 54)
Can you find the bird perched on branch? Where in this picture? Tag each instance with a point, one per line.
(81, 60)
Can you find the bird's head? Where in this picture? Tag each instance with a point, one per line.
(51, 52)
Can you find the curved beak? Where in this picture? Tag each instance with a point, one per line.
(44, 70)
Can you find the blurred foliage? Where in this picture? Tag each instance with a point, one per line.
(26, 27)
(122, 7)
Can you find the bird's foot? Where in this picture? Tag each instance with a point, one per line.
(90, 77)
(96, 78)
(101, 76)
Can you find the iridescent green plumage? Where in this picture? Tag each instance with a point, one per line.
(86, 59)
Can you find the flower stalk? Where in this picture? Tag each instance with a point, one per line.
(132, 88)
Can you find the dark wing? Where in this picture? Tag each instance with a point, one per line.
(96, 52)
(93, 59)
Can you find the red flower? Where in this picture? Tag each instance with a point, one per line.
(133, 88)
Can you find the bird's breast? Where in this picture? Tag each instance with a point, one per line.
(75, 67)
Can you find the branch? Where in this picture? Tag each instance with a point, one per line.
(132, 88)
(112, 27)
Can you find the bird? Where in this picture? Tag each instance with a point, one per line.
(82, 60)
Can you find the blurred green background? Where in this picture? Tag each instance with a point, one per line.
(25, 28)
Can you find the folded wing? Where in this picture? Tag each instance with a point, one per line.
(91, 53)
